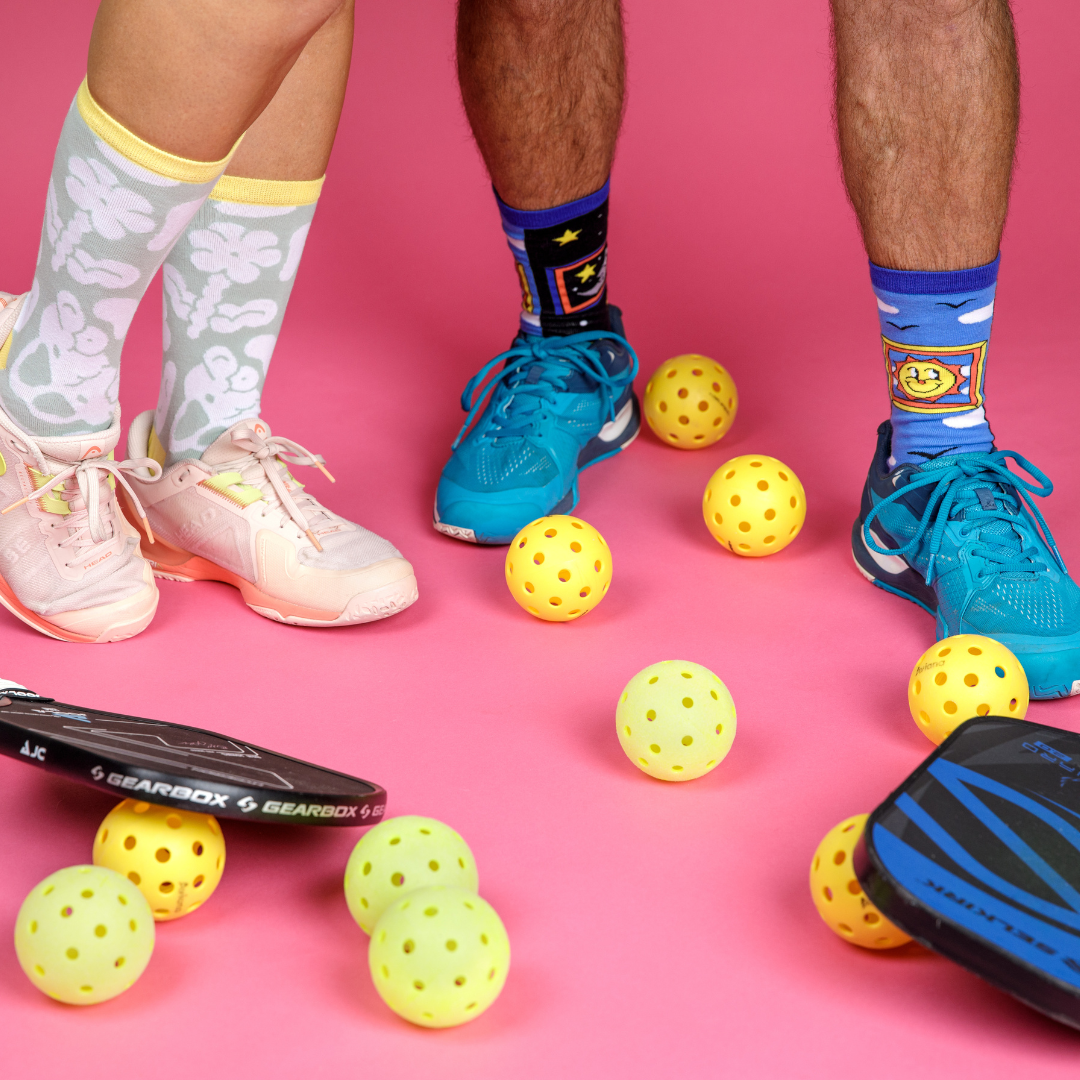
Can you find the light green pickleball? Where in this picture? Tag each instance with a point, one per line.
(402, 854)
(439, 956)
(84, 934)
(676, 720)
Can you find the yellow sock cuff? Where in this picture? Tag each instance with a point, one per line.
(142, 153)
(239, 189)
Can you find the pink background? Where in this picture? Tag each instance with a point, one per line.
(657, 929)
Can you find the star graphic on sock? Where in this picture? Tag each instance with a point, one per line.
(587, 272)
(567, 237)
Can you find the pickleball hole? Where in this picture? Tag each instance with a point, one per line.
(853, 885)
(780, 472)
(174, 821)
(166, 887)
(999, 672)
(729, 474)
(770, 514)
(433, 866)
(643, 761)
(686, 675)
(654, 748)
(971, 679)
(626, 728)
(538, 558)
(385, 972)
(397, 879)
(491, 974)
(395, 840)
(33, 926)
(100, 930)
(133, 877)
(718, 519)
(483, 939)
(719, 728)
(949, 707)
(118, 962)
(827, 893)
(133, 926)
(844, 928)
(130, 842)
(197, 883)
(839, 857)
(451, 945)
(363, 901)
(924, 717)
(65, 913)
(576, 525)
(1012, 705)
(598, 566)
(86, 894)
(72, 954)
(218, 863)
(418, 983)
(715, 695)
(104, 836)
(408, 946)
(918, 686)
(460, 980)
(48, 890)
(848, 828)
(982, 710)
(431, 912)
(466, 903)
(471, 1005)
(585, 591)
(461, 862)
(554, 601)
(163, 854)
(683, 392)
(564, 575)
(945, 651)
(755, 464)
(735, 500)
(687, 740)
(676, 768)
(655, 678)
(87, 989)
(763, 485)
(684, 419)
(871, 918)
(687, 702)
(39, 969)
(975, 650)
(770, 540)
(941, 678)
(197, 848)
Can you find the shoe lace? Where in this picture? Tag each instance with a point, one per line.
(263, 460)
(989, 498)
(79, 486)
(536, 369)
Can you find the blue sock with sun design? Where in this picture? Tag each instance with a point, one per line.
(935, 330)
(561, 259)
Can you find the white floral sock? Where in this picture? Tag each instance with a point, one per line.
(115, 206)
(226, 284)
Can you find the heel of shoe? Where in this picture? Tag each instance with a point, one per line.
(890, 572)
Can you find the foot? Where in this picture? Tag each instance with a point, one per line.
(559, 405)
(237, 515)
(71, 566)
(960, 537)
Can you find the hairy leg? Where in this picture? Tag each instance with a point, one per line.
(927, 103)
(190, 76)
(543, 83)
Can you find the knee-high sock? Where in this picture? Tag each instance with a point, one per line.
(935, 331)
(227, 282)
(115, 206)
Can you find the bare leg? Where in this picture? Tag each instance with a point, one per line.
(927, 102)
(542, 82)
(190, 76)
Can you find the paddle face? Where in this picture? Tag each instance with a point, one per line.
(977, 856)
(180, 766)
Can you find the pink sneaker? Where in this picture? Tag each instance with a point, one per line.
(70, 564)
(237, 515)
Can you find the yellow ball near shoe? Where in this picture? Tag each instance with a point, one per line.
(558, 568)
(963, 676)
(84, 935)
(754, 505)
(439, 956)
(175, 857)
(838, 896)
(691, 401)
(402, 854)
(675, 720)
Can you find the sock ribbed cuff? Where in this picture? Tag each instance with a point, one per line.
(934, 282)
(239, 189)
(556, 215)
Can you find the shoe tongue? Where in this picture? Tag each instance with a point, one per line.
(224, 448)
(68, 450)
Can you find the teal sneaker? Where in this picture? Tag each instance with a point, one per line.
(961, 537)
(557, 406)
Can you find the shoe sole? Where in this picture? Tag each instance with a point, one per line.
(175, 564)
(597, 449)
(120, 630)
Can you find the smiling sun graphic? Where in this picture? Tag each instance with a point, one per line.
(927, 380)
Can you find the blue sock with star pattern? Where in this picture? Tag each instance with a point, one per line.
(561, 260)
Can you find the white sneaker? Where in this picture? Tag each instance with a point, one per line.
(238, 515)
(70, 564)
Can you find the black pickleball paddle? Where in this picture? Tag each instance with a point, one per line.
(179, 766)
(977, 856)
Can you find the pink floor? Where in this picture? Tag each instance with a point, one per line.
(657, 930)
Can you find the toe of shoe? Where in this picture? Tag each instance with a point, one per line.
(114, 621)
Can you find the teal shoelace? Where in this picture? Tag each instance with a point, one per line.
(536, 369)
(968, 486)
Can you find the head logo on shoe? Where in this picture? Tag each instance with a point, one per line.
(94, 451)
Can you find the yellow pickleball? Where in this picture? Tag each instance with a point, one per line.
(84, 935)
(439, 956)
(691, 401)
(558, 568)
(963, 676)
(754, 505)
(675, 720)
(838, 896)
(175, 857)
(402, 854)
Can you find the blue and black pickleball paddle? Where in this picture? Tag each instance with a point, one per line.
(180, 766)
(977, 856)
